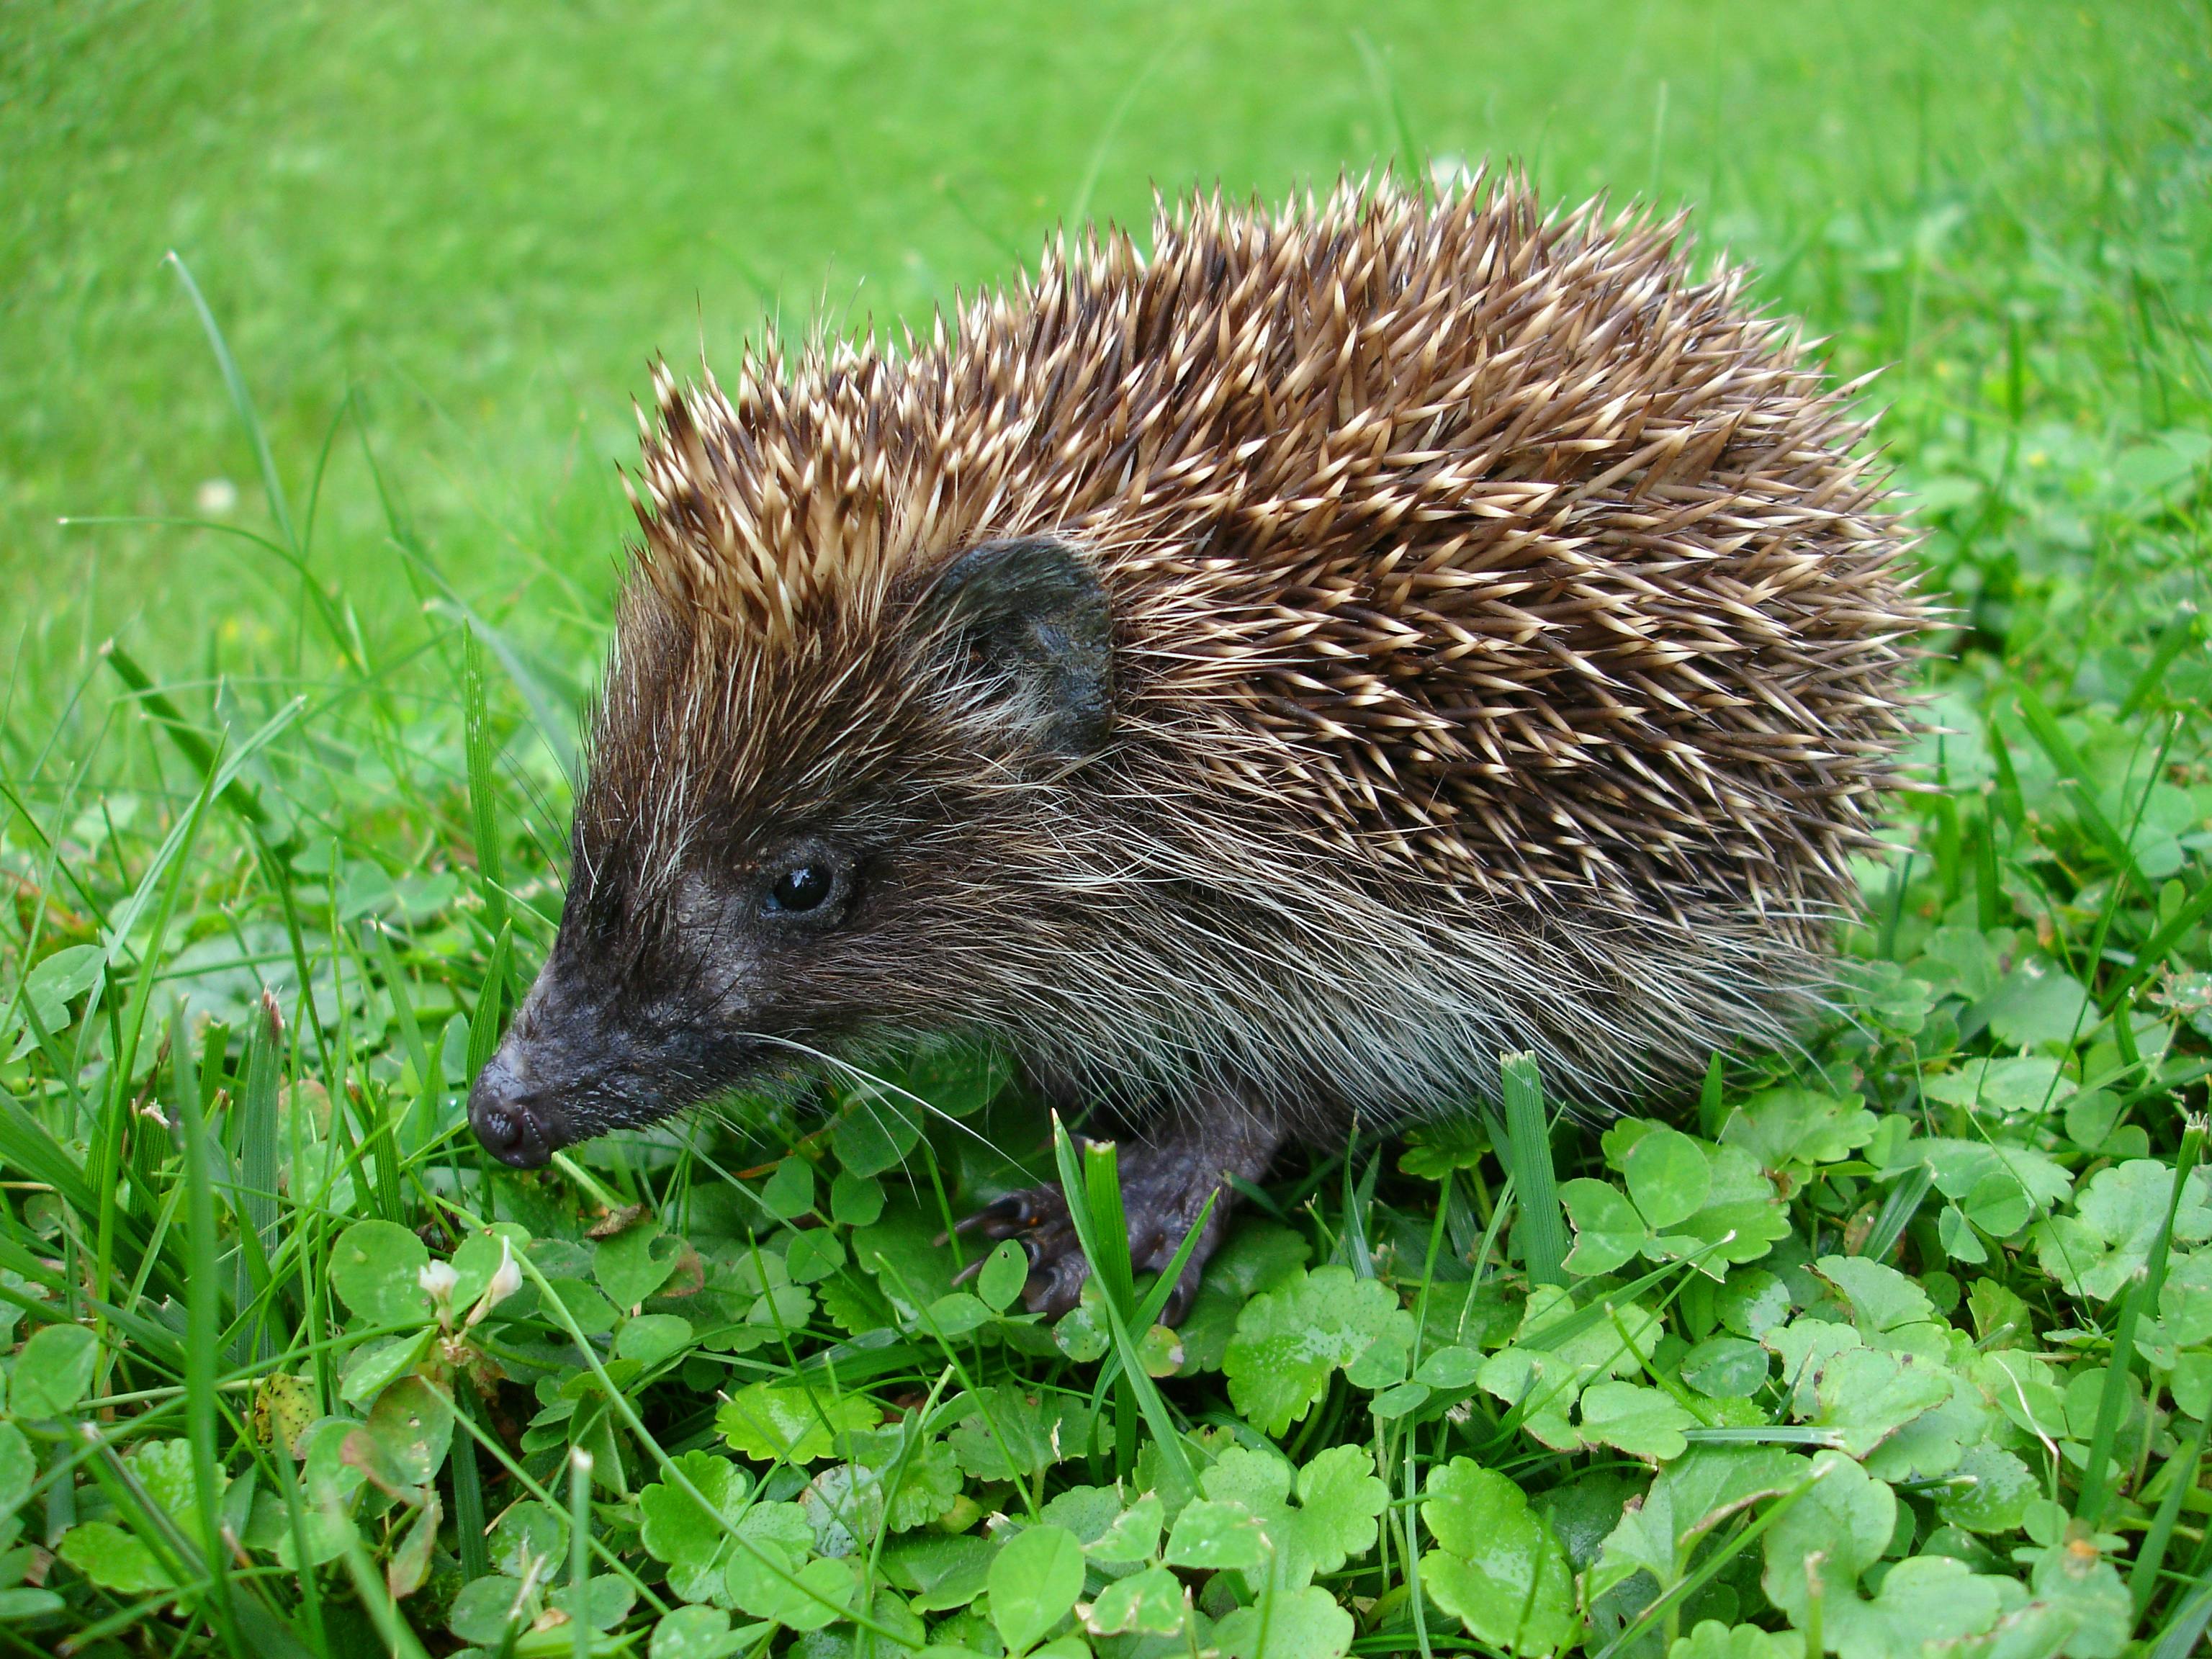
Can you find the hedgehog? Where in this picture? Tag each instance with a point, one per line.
(1258, 684)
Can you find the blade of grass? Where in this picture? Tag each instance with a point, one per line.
(1988, 891)
(1148, 1310)
(2009, 805)
(483, 1020)
(2179, 632)
(250, 1165)
(1079, 207)
(468, 1494)
(375, 1595)
(380, 1142)
(1178, 1482)
(1711, 1105)
(2150, 1554)
(166, 878)
(148, 1134)
(550, 698)
(2187, 1628)
(483, 807)
(2074, 777)
(1712, 1564)
(1528, 1160)
(343, 637)
(1101, 1198)
(580, 1548)
(2111, 1401)
(1358, 1196)
(199, 753)
(1897, 1212)
(2154, 950)
(431, 1081)
(257, 1120)
(203, 1317)
(1385, 88)
(241, 400)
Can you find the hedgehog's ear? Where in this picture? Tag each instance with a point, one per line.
(1032, 615)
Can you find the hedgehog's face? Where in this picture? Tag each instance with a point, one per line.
(819, 884)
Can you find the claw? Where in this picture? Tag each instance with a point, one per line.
(1179, 1300)
(1013, 1211)
(1036, 1217)
(1009, 1208)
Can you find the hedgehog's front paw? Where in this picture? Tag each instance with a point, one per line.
(1160, 1214)
(1037, 1217)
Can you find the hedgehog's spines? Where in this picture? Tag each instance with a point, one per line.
(1459, 539)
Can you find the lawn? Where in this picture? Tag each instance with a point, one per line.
(313, 532)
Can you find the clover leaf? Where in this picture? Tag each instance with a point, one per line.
(1924, 1600)
(1033, 1581)
(2032, 1084)
(1685, 1199)
(699, 1633)
(1304, 1624)
(1607, 1229)
(1638, 1420)
(1668, 1178)
(53, 1371)
(1998, 1489)
(1496, 1568)
(1961, 1166)
(375, 1269)
(1541, 1377)
(768, 1421)
(112, 1558)
(2075, 1580)
(1339, 1503)
(876, 1132)
(1866, 1394)
(938, 1572)
(788, 1193)
(636, 1263)
(1010, 1435)
(770, 1582)
(1711, 1639)
(1845, 1520)
(1889, 1310)
(2116, 1217)
(695, 1541)
(1691, 1496)
(1803, 1127)
(1726, 1367)
(1211, 1534)
(1147, 1603)
(1290, 1339)
(1006, 1270)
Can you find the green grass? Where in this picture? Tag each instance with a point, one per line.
(1931, 1300)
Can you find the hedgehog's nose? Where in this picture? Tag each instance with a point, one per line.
(499, 1112)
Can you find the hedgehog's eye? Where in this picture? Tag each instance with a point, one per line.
(802, 888)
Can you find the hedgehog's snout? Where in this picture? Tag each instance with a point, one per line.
(506, 1119)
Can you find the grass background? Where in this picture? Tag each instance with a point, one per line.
(445, 243)
(485, 222)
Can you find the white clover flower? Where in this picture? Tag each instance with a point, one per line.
(438, 1279)
(506, 1280)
